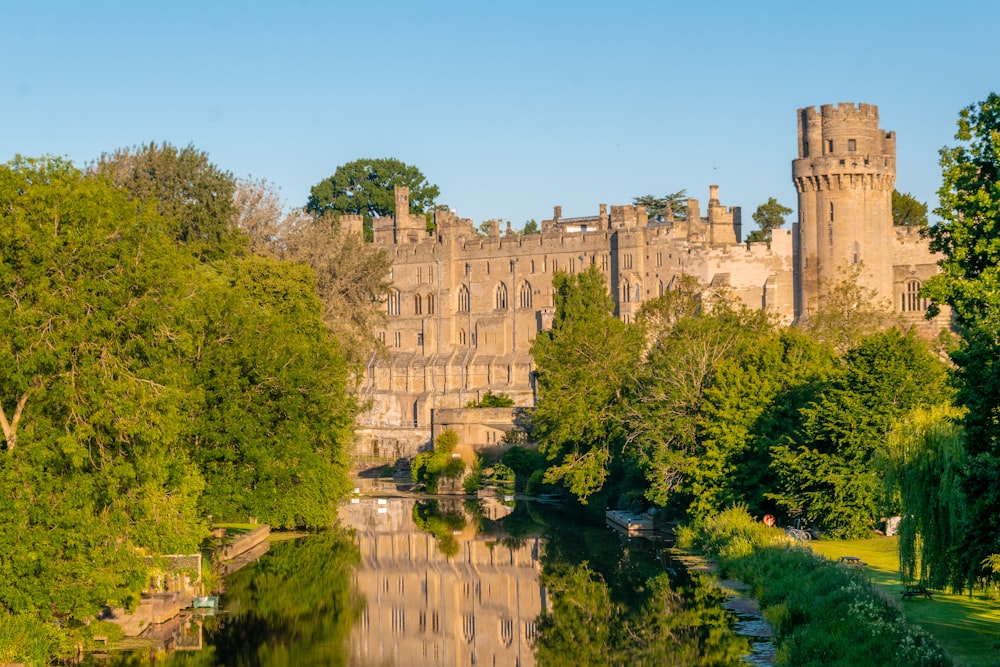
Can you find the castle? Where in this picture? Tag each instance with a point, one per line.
(464, 308)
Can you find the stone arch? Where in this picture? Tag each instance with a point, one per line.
(524, 295)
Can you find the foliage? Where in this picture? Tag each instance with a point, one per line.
(491, 400)
(429, 468)
(822, 614)
(925, 461)
(663, 404)
(474, 480)
(969, 231)
(530, 227)
(584, 364)
(659, 208)
(768, 216)
(430, 517)
(351, 276)
(848, 312)
(367, 187)
(751, 404)
(185, 187)
(523, 462)
(907, 211)
(732, 533)
(828, 469)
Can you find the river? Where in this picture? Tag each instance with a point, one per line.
(414, 581)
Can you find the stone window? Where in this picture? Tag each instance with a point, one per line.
(572, 265)
(829, 145)
(912, 300)
(430, 304)
(461, 336)
(627, 261)
(420, 274)
(392, 304)
(660, 289)
(420, 339)
(659, 259)
(532, 266)
(555, 265)
(501, 297)
(604, 262)
(418, 304)
(397, 339)
(430, 274)
(626, 292)
(524, 295)
(852, 145)
(638, 293)
(463, 299)
(856, 257)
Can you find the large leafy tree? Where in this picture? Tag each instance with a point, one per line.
(968, 235)
(768, 216)
(367, 187)
(584, 364)
(830, 468)
(186, 188)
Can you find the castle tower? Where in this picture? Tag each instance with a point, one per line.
(844, 175)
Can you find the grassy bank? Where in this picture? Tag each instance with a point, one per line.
(824, 615)
(966, 626)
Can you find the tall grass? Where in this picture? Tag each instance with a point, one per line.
(823, 614)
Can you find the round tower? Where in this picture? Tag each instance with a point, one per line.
(844, 175)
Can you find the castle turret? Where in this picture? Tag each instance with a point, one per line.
(844, 175)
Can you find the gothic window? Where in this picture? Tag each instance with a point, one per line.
(626, 292)
(430, 304)
(430, 274)
(463, 299)
(572, 265)
(638, 293)
(392, 305)
(397, 339)
(627, 261)
(418, 304)
(461, 336)
(501, 297)
(524, 295)
(660, 290)
(420, 275)
(604, 262)
(912, 300)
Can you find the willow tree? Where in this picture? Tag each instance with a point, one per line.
(924, 476)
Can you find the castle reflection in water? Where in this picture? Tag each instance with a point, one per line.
(477, 607)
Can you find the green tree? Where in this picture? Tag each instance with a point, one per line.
(907, 211)
(657, 207)
(969, 231)
(584, 364)
(367, 187)
(530, 227)
(186, 187)
(664, 402)
(831, 468)
(848, 312)
(768, 216)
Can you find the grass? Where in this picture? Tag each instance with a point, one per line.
(968, 627)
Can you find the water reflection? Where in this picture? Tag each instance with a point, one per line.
(441, 581)
(444, 584)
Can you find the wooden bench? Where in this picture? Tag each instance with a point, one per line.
(915, 591)
(852, 561)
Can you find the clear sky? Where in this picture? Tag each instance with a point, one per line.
(510, 107)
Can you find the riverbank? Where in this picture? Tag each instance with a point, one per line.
(966, 626)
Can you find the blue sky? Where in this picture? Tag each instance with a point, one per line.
(509, 107)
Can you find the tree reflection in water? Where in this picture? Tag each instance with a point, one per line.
(611, 604)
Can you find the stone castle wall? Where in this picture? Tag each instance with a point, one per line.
(465, 308)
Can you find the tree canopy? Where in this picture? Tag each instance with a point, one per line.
(657, 207)
(367, 187)
(907, 211)
(768, 216)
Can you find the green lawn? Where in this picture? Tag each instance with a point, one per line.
(968, 627)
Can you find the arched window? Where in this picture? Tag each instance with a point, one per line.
(501, 297)
(461, 336)
(418, 304)
(626, 292)
(638, 293)
(463, 299)
(660, 290)
(430, 304)
(392, 304)
(524, 295)
(912, 300)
